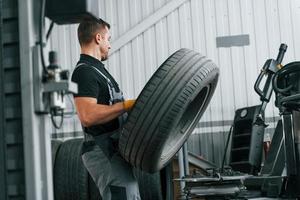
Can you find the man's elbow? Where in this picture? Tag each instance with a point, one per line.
(86, 120)
(86, 123)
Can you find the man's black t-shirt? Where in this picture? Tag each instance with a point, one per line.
(92, 84)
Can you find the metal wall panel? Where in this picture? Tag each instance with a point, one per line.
(195, 24)
(3, 173)
(11, 146)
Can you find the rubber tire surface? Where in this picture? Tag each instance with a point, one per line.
(168, 109)
(149, 185)
(55, 145)
(70, 175)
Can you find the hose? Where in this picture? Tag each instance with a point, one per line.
(41, 42)
(49, 30)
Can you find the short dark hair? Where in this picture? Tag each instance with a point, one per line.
(88, 28)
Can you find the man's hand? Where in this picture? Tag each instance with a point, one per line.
(128, 104)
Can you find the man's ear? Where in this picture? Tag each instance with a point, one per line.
(98, 38)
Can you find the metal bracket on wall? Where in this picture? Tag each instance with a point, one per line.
(42, 90)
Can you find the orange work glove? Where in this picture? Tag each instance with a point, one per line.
(128, 104)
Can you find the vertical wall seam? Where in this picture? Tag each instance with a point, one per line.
(206, 48)
(231, 59)
(254, 36)
(267, 27)
(204, 28)
(192, 22)
(219, 61)
(244, 53)
(279, 24)
(268, 32)
(293, 35)
(167, 33)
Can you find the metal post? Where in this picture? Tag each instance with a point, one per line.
(37, 148)
(296, 120)
(181, 168)
(289, 139)
(183, 163)
(186, 159)
(3, 179)
(167, 182)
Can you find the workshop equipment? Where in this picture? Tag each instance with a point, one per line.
(246, 139)
(280, 174)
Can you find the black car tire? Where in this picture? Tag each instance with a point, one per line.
(168, 109)
(55, 145)
(70, 175)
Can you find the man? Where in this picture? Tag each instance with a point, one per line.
(101, 109)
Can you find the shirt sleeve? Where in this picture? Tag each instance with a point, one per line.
(87, 82)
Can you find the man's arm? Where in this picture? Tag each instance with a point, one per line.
(90, 113)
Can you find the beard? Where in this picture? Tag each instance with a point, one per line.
(104, 56)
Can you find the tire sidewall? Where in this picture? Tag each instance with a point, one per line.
(207, 82)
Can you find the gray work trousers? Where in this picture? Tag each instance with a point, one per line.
(111, 173)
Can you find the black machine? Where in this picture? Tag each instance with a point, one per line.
(245, 153)
(278, 176)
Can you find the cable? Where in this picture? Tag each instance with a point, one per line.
(49, 30)
(226, 147)
(41, 42)
(53, 113)
(73, 111)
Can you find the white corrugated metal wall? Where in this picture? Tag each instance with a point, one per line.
(145, 32)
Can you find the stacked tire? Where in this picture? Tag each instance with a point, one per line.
(70, 178)
(72, 181)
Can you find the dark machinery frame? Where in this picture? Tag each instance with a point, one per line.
(279, 178)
